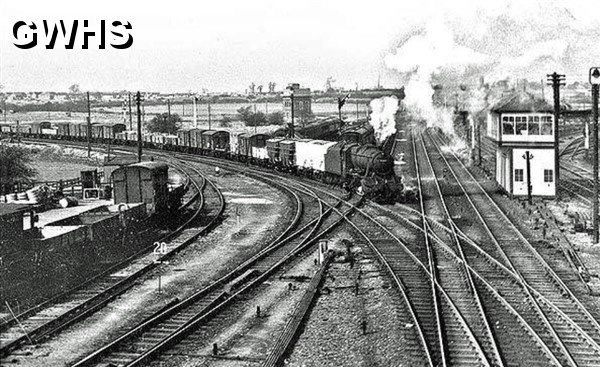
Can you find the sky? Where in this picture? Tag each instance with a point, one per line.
(225, 45)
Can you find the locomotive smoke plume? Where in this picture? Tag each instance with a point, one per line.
(383, 117)
(423, 57)
(500, 40)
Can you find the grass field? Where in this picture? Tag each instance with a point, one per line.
(54, 169)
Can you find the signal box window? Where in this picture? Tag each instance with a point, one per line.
(508, 127)
(521, 125)
(518, 175)
(546, 125)
(534, 125)
(548, 175)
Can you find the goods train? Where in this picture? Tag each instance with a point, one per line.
(352, 162)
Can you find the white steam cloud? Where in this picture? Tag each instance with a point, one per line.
(506, 40)
(383, 117)
(421, 58)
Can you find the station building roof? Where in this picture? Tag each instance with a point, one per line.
(521, 101)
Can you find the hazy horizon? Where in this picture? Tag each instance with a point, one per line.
(224, 46)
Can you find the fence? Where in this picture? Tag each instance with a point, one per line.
(70, 187)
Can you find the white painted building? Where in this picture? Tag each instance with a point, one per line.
(518, 124)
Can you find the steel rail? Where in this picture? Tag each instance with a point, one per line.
(488, 330)
(504, 256)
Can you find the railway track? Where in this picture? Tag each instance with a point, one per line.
(151, 339)
(579, 185)
(572, 148)
(452, 275)
(560, 319)
(412, 279)
(62, 311)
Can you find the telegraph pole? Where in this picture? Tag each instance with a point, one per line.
(169, 108)
(595, 88)
(130, 117)
(479, 142)
(138, 101)
(209, 119)
(595, 81)
(89, 126)
(255, 122)
(291, 125)
(195, 114)
(556, 80)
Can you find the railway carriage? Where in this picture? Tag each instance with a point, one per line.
(274, 150)
(287, 154)
(170, 142)
(253, 147)
(38, 127)
(111, 131)
(183, 136)
(310, 156)
(215, 142)
(196, 140)
(24, 129)
(63, 129)
(77, 130)
(97, 131)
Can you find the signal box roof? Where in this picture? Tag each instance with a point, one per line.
(521, 101)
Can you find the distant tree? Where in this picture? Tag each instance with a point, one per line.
(244, 113)
(163, 124)
(275, 118)
(225, 121)
(251, 118)
(14, 167)
(74, 89)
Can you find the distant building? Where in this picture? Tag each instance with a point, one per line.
(518, 123)
(302, 103)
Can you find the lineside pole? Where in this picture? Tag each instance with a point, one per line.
(138, 101)
(595, 88)
(130, 115)
(556, 80)
(89, 126)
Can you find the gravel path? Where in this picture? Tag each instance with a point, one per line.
(333, 335)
